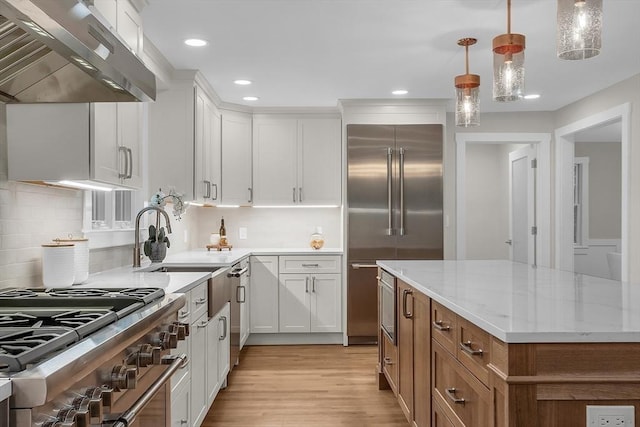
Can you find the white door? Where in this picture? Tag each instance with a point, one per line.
(326, 310)
(212, 362)
(237, 186)
(264, 294)
(224, 341)
(521, 206)
(320, 170)
(295, 296)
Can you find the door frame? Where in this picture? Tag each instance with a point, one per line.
(525, 152)
(543, 179)
(565, 152)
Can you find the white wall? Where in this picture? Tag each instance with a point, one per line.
(605, 187)
(270, 227)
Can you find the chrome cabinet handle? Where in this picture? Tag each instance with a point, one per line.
(405, 295)
(130, 163)
(201, 301)
(300, 194)
(402, 191)
(207, 186)
(223, 319)
(439, 325)
(250, 195)
(389, 189)
(310, 265)
(387, 361)
(509, 242)
(306, 284)
(294, 194)
(183, 421)
(451, 394)
(357, 266)
(202, 324)
(313, 284)
(123, 149)
(467, 348)
(238, 294)
(216, 188)
(183, 315)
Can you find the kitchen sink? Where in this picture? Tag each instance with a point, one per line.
(179, 269)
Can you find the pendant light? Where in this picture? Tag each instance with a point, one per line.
(579, 28)
(467, 91)
(508, 64)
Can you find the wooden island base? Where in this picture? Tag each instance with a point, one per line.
(474, 379)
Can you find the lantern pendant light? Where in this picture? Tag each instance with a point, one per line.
(467, 92)
(508, 64)
(579, 28)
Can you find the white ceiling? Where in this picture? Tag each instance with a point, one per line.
(315, 52)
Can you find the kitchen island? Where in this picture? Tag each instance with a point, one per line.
(506, 344)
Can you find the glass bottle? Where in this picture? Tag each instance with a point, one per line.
(223, 233)
(317, 239)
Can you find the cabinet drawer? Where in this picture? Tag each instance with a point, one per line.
(458, 393)
(439, 419)
(198, 300)
(390, 362)
(474, 349)
(310, 264)
(444, 326)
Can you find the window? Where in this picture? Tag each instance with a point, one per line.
(109, 217)
(581, 201)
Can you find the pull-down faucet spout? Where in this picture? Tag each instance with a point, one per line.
(136, 246)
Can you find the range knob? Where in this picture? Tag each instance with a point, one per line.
(149, 355)
(67, 417)
(168, 340)
(124, 377)
(182, 329)
(89, 410)
(102, 394)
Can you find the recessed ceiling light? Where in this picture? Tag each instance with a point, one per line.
(400, 92)
(195, 42)
(532, 96)
(250, 98)
(242, 82)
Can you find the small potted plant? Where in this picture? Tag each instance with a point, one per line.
(155, 247)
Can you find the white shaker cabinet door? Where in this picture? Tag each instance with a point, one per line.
(237, 186)
(326, 307)
(198, 335)
(295, 300)
(108, 158)
(224, 343)
(274, 161)
(130, 138)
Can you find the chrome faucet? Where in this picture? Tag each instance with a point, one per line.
(136, 246)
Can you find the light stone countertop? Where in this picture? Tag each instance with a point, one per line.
(5, 389)
(518, 303)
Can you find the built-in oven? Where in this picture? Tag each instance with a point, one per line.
(387, 289)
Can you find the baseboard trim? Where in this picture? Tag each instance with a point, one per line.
(294, 339)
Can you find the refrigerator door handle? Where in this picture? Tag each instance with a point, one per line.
(389, 190)
(357, 266)
(402, 191)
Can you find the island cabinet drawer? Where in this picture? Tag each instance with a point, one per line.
(474, 349)
(198, 301)
(390, 362)
(444, 327)
(461, 396)
(309, 264)
(438, 418)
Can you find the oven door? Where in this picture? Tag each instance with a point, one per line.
(387, 286)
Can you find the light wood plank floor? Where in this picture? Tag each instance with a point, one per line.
(305, 386)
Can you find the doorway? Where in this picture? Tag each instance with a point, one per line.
(541, 251)
(522, 211)
(567, 222)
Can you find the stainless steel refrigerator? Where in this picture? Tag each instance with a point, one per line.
(394, 202)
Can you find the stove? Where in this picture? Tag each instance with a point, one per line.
(82, 357)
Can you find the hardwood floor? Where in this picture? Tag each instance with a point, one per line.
(328, 385)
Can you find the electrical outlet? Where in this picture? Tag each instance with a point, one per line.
(610, 416)
(242, 231)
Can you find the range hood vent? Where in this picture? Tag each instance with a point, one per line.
(58, 51)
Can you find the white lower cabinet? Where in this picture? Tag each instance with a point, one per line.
(245, 303)
(224, 342)
(199, 403)
(310, 303)
(180, 402)
(264, 294)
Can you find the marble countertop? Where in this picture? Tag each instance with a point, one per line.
(518, 303)
(5, 389)
(175, 282)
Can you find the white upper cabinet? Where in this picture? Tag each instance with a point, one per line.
(237, 187)
(124, 20)
(297, 161)
(184, 143)
(98, 142)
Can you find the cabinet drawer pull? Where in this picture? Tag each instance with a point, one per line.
(201, 301)
(306, 284)
(183, 315)
(405, 294)
(223, 319)
(202, 324)
(439, 325)
(313, 284)
(388, 361)
(451, 394)
(467, 348)
(310, 265)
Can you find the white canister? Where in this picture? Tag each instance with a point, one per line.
(81, 258)
(58, 270)
(214, 239)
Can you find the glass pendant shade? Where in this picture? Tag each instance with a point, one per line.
(508, 67)
(579, 28)
(468, 106)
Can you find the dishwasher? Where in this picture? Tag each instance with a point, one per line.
(238, 276)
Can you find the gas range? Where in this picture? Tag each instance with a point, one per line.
(81, 357)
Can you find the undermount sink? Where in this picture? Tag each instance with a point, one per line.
(178, 269)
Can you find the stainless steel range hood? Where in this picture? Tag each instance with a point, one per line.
(58, 51)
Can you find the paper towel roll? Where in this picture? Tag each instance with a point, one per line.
(81, 258)
(58, 268)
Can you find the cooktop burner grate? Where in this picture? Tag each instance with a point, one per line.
(18, 293)
(21, 346)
